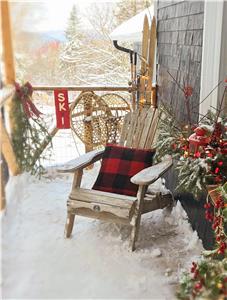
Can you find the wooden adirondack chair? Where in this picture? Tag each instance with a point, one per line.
(138, 132)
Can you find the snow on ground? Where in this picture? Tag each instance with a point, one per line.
(38, 263)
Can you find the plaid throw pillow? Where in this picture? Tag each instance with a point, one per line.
(119, 164)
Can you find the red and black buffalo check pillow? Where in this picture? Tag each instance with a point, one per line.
(119, 164)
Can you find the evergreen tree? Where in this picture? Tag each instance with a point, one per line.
(72, 31)
(70, 52)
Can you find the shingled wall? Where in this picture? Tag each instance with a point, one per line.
(180, 36)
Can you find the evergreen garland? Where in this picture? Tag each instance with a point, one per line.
(207, 280)
(196, 168)
(170, 132)
(191, 175)
(28, 134)
(216, 213)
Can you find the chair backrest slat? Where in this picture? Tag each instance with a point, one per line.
(139, 128)
(125, 129)
(146, 128)
(152, 134)
(131, 132)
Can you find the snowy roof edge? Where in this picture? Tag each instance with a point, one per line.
(131, 30)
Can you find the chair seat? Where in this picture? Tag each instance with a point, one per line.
(101, 205)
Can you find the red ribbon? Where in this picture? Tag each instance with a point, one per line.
(24, 94)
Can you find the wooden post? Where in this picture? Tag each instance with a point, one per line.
(8, 153)
(2, 195)
(9, 78)
(8, 58)
(7, 150)
(9, 70)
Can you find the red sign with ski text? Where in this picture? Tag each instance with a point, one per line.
(62, 109)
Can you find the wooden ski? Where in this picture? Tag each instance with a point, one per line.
(152, 48)
(151, 58)
(145, 45)
(144, 62)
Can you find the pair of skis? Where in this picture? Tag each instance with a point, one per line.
(142, 91)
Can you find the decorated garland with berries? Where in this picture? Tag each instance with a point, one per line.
(216, 213)
(201, 158)
(200, 150)
(207, 279)
(200, 154)
(29, 131)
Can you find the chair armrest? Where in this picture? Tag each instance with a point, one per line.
(151, 174)
(82, 161)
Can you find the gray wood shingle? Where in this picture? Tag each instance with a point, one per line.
(180, 34)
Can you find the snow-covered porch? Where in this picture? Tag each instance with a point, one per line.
(38, 263)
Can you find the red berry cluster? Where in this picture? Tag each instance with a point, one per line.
(218, 223)
(217, 170)
(208, 214)
(222, 248)
(219, 203)
(220, 237)
(199, 279)
(216, 135)
(194, 270)
(199, 282)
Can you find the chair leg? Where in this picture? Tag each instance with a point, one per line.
(69, 224)
(135, 233)
(137, 216)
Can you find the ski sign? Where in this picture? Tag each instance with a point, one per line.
(62, 108)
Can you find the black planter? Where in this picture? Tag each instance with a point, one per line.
(195, 210)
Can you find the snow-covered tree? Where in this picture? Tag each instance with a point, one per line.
(88, 56)
(72, 31)
(102, 63)
(70, 52)
(91, 59)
